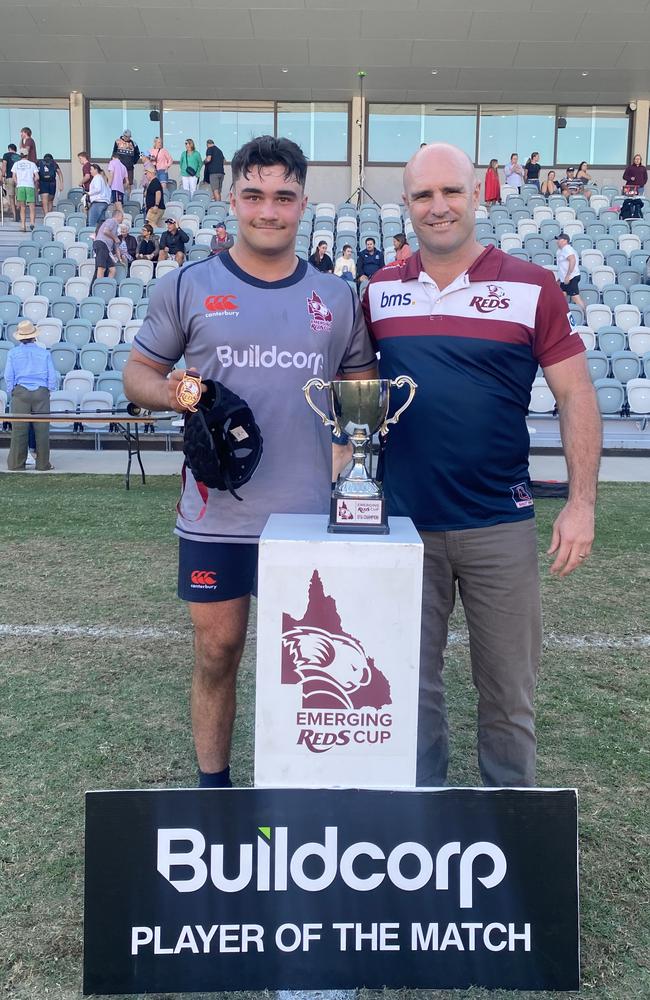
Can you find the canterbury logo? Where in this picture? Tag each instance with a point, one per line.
(215, 303)
(203, 578)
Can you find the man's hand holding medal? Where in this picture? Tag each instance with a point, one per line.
(185, 390)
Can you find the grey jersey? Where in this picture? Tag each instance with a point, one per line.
(263, 340)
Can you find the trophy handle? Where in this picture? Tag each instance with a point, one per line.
(317, 383)
(398, 383)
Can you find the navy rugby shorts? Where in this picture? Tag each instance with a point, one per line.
(209, 572)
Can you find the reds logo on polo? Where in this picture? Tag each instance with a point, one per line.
(321, 315)
(495, 299)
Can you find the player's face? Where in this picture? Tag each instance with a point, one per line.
(268, 207)
(441, 193)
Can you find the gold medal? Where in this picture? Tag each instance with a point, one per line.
(188, 391)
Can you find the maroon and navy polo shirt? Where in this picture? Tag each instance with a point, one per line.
(458, 458)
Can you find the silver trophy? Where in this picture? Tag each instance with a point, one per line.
(359, 408)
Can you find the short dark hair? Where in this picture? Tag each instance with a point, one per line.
(346, 246)
(268, 151)
(12, 145)
(147, 226)
(371, 239)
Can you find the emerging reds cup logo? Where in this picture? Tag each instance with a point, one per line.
(495, 299)
(321, 316)
(339, 682)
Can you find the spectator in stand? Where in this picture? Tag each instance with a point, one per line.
(514, 172)
(106, 245)
(99, 194)
(49, 172)
(127, 246)
(214, 169)
(128, 152)
(25, 174)
(154, 197)
(172, 243)
(345, 266)
(30, 377)
(568, 271)
(583, 174)
(368, 261)
(117, 176)
(147, 247)
(321, 260)
(550, 185)
(162, 160)
(636, 175)
(402, 249)
(532, 169)
(27, 144)
(86, 173)
(570, 184)
(222, 240)
(492, 184)
(190, 164)
(7, 179)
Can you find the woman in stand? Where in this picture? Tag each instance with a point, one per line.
(532, 169)
(402, 249)
(99, 194)
(345, 266)
(321, 260)
(492, 184)
(550, 185)
(514, 172)
(582, 173)
(190, 163)
(161, 159)
(636, 174)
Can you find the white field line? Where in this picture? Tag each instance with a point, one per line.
(552, 640)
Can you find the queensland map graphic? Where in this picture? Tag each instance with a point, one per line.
(330, 664)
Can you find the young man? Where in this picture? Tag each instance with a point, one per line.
(147, 247)
(369, 262)
(154, 198)
(568, 270)
(471, 324)
(261, 322)
(25, 174)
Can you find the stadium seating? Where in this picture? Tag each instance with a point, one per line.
(638, 396)
(78, 332)
(610, 395)
(78, 383)
(108, 332)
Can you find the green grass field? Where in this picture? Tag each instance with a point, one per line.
(92, 701)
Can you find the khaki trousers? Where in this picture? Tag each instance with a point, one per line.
(496, 572)
(29, 401)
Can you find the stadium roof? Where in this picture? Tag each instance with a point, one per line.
(520, 51)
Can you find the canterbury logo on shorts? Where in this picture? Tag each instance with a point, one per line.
(203, 578)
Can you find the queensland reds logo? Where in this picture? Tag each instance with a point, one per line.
(321, 316)
(221, 303)
(341, 688)
(495, 299)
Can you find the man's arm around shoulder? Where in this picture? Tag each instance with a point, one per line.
(581, 431)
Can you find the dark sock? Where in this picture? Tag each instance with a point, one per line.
(215, 779)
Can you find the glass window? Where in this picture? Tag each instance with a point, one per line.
(518, 128)
(321, 130)
(451, 123)
(598, 135)
(228, 124)
(396, 131)
(49, 121)
(108, 119)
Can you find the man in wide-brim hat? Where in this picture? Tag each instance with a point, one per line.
(30, 377)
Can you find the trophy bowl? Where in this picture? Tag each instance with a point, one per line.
(359, 408)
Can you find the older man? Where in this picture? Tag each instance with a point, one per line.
(30, 377)
(471, 324)
(172, 242)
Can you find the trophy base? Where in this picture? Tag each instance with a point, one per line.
(359, 516)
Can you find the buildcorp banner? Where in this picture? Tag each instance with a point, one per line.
(330, 889)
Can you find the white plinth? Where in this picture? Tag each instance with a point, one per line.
(337, 655)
